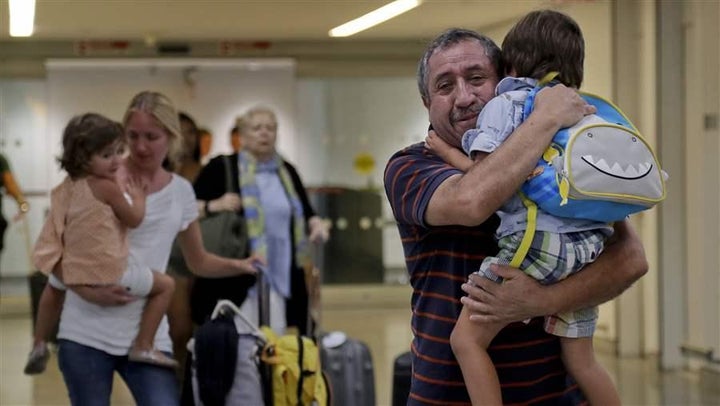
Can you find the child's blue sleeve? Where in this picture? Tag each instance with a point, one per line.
(494, 124)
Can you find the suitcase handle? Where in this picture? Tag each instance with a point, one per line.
(224, 304)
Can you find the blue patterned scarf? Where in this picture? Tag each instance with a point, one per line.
(255, 216)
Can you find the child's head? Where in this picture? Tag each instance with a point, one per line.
(542, 42)
(84, 136)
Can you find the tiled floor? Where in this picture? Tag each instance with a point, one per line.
(378, 315)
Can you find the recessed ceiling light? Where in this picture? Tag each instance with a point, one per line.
(374, 18)
(22, 16)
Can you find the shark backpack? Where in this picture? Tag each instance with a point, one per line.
(600, 169)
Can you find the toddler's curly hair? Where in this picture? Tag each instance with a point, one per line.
(85, 135)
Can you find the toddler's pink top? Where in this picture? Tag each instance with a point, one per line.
(84, 234)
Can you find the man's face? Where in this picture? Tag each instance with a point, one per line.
(461, 80)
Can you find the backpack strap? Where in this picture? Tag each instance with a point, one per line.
(530, 101)
(529, 232)
(529, 204)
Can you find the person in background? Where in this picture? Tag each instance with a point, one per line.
(235, 139)
(446, 222)
(189, 163)
(179, 317)
(10, 186)
(205, 139)
(98, 323)
(83, 240)
(281, 223)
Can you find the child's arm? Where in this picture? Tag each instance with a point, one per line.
(130, 215)
(451, 155)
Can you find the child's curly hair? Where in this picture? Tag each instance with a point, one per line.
(85, 135)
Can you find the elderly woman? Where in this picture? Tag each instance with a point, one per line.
(281, 224)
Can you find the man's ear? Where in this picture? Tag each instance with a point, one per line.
(426, 102)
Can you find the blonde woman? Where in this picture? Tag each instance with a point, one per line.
(98, 324)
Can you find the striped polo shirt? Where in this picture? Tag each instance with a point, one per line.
(439, 260)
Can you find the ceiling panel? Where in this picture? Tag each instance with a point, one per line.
(259, 20)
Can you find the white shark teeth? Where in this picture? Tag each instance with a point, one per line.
(630, 171)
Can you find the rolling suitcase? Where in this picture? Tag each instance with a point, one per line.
(238, 363)
(348, 365)
(226, 369)
(402, 373)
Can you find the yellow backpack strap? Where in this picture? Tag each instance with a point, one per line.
(529, 204)
(548, 78)
(529, 232)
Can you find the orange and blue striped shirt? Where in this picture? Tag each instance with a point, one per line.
(439, 260)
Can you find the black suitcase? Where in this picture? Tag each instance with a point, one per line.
(402, 374)
(348, 365)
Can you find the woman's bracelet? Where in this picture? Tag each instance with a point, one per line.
(24, 206)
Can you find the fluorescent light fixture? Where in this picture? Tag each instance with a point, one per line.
(22, 14)
(374, 18)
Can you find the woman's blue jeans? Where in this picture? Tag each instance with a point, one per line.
(88, 374)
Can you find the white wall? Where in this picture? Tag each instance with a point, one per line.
(702, 181)
(213, 92)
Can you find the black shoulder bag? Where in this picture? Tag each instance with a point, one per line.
(225, 234)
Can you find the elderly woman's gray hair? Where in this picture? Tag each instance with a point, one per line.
(243, 121)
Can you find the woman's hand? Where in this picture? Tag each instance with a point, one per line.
(111, 295)
(251, 265)
(319, 232)
(226, 202)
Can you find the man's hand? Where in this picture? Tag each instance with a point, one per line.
(563, 104)
(519, 297)
(112, 295)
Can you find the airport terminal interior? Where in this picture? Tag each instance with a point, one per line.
(344, 106)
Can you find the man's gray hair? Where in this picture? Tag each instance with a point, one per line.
(449, 38)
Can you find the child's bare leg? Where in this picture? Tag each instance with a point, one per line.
(48, 315)
(593, 379)
(156, 306)
(469, 342)
(180, 317)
